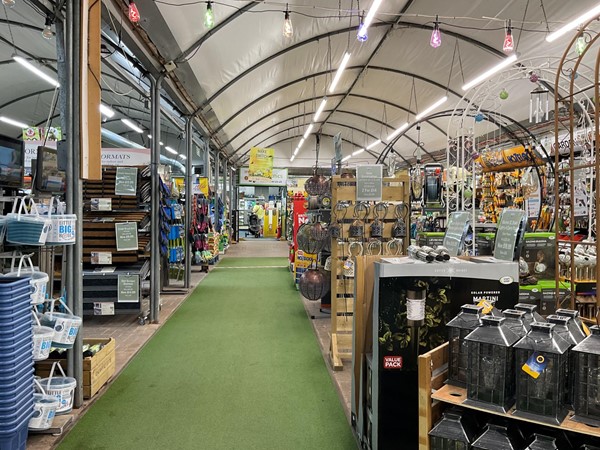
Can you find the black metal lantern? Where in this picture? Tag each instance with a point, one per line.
(586, 401)
(491, 365)
(454, 431)
(567, 328)
(541, 442)
(542, 364)
(314, 284)
(466, 321)
(311, 237)
(575, 325)
(531, 314)
(498, 437)
(515, 321)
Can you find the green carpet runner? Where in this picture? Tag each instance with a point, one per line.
(236, 367)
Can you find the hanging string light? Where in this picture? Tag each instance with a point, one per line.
(209, 16)
(436, 34)
(509, 44)
(580, 44)
(362, 35)
(288, 28)
(134, 14)
(47, 32)
(8, 3)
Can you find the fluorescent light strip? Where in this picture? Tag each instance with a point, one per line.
(132, 125)
(296, 151)
(346, 158)
(308, 130)
(320, 110)
(377, 142)
(170, 150)
(339, 72)
(149, 136)
(488, 73)
(105, 110)
(431, 108)
(161, 144)
(15, 123)
(358, 152)
(398, 131)
(594, 12)
(25, 63)
(292, 158)
(370, 16)
(183, 156)
(300, 143)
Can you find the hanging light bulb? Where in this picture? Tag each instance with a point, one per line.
(47, 32)
(288, 28)
(134, 14)
(509, 44)
(580, 45)
(8, 3)
(436, 34)
(362, 35)
(209, 16)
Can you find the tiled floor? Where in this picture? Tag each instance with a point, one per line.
(131, 337)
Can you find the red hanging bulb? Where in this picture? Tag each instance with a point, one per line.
(436, 34)
(509, 44)
(134, 14)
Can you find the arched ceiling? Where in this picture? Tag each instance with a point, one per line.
(251, 86)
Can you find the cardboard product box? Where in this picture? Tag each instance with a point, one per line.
(538, 251)
(302, 262)
(402, 331)
(430, 238)
(97, 370)
(484, 243)
(543, 294)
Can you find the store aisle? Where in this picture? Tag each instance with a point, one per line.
(236, 367)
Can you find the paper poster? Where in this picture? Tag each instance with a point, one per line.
(128, 288)
(369, 183)
(126, 236)
(261, 164)
(279, 178)
(34, 137)
(126, 181)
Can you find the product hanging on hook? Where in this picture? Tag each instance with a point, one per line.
(436, 34)
(47, 32)
(509, 44)
(539, 105)
(362, 35)
(134, 14)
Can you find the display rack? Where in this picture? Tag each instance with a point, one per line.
(434, 395)
(394, 191)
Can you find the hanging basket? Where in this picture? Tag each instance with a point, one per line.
(314, 284)
(25, 226)
(39, 280)
(311, 237)
(62, 226)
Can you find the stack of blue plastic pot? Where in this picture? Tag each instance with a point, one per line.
(16, 362)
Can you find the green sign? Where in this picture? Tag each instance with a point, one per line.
(129, 289)
(126, 181)
(127, 236)
(509, 234)
(456, 231)
(369, 183)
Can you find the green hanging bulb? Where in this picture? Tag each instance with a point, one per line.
(209, 16)
(580, 45)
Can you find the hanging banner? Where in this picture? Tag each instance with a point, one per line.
(200, 186)
(125, 156)
(35, 137)
(509, 159)
(261, 165)
(279, 178)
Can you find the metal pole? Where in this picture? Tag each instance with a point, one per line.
(217, 168)
(155, 204)
(77, 294)
(189, 131)
(224, 194)
(67, 93)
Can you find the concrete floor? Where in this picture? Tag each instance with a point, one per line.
(131, 337)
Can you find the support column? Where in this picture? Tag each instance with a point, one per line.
(155, 205)
(217, 168)
(189, 134)
(224, 193)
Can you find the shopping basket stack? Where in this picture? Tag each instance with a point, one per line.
(16, 362)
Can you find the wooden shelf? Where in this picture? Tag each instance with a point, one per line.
(457, 396)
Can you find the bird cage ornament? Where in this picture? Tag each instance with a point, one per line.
(538, 105)
(458, 328)
(515, 321)
(491, 365)
(586, 398)
(454, 431)
(542, 363)
(531, 314)
(498, 437)
(314, 284)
